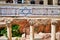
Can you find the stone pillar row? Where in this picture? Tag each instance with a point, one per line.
(45, 2)
(53, 29)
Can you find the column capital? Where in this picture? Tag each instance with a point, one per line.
(54, 22)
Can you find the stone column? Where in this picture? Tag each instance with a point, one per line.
(22, 1)
(14, 2)
(27, 1)
(9, 33)
(59, 36)
(55, 2)
(31, 29)
(37, 2)
(45, 2)
(53, 30)
(31, 33)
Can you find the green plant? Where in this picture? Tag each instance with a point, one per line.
(3, 32)
(15, 31)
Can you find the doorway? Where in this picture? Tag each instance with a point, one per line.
(50, 2)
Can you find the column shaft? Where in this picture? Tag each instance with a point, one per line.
(55, 2)
(31, 33)
(45, 2)
(53, 33)
(9, 33)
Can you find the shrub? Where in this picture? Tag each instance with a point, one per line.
(15, 31)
